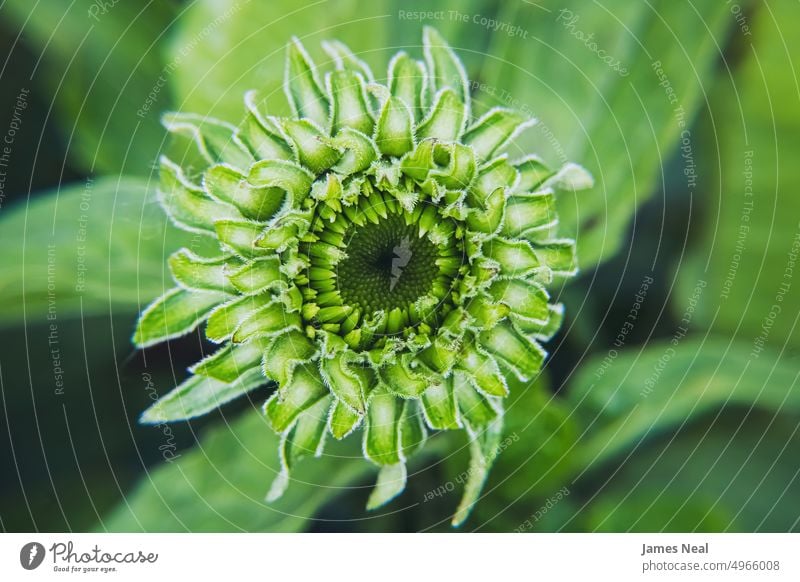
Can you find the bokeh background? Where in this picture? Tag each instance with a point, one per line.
(670, 399)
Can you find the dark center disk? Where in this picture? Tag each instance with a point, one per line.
(388, 265)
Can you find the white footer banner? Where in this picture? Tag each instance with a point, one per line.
(389, 557)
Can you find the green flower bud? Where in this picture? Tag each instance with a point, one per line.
(381, 260)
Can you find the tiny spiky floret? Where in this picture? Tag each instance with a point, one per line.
(381, 261)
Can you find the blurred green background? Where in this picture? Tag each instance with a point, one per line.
(670, 398)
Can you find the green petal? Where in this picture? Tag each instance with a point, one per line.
(186, 204)
(358, 152)
(489, 215)
(304, 389)
(494, 130)
(314, 148)
(440, 355)
(559, 256)
(381, 438)
(407, 82)
(226, 184)
(350, 108)
(345, 59)
(498, 173)
(302, 88)
(287, 352)
(239, 236)
(200, 273)
(391, 482)
(459, 169)
(474, 407)
(484, 445)
(515, 257)
(439, 406)
(348, 382)
(525, 213)
(486, 312)
(521, 354)
(283, 232)
(343, 420)
(216, 140)
(232, 361)
(543, 331)
(260, 135)
(174, 314)
(270, 320)
(446, 70)
(451, 165)
(224, 320)
(287, 176)
(305, 438)
(394, 135)
(483, 371)
(445, 121)
(526, 300)
(199, 395)
(258, 275)
(412, 429)
(402, 379)
(532, 173)
(570, 177)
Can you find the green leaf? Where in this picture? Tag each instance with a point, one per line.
(735, 473)
(747, 251)
(220, 485)
(103, 72)
(666, 385)
(87, 249)
(250, 41)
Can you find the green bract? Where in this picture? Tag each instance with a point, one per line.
(382, 261)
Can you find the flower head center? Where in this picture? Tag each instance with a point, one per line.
(380, 265)
(388, 265)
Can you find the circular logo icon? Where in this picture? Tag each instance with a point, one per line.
(31, 555)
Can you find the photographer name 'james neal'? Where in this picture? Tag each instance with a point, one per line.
(674, 549)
